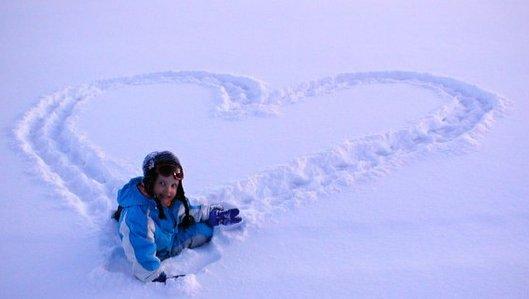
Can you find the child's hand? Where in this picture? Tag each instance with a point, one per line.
(163, 277)
(225, 217)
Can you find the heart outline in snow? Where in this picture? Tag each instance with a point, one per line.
(87, 179)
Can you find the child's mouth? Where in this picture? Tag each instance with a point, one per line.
(166, 201)
(165, 198)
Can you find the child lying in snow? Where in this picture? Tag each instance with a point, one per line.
(156, 220)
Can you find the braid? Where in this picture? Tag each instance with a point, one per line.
(188, 220)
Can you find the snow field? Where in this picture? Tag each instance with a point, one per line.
(87, 179)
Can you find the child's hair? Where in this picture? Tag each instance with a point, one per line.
(163, 163)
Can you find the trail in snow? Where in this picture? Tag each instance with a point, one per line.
(87, 179)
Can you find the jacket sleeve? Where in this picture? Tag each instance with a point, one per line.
(199, 211)
(137, 230)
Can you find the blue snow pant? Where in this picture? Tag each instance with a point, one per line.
(195, 235)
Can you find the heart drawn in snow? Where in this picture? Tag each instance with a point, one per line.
(83, 175)
(87, 180)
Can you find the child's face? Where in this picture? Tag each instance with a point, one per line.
(165, 189)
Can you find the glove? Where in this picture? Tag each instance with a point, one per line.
(163, 277)
(225, 217)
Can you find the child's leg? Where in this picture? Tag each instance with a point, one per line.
(194, 236)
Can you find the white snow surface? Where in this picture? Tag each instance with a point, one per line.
(375, 149)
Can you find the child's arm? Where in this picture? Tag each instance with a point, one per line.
(200, 212)
(138, 242)
(212, 214)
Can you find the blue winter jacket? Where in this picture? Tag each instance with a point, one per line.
(144, 236)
